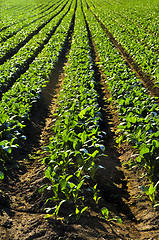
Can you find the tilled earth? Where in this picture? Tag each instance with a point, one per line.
(22, 206)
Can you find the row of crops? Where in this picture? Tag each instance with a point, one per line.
(138, 111)
(138, 35)
(76, 144)
(29, 71)
(32, 39)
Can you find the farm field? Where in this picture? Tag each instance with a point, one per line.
(79, 126)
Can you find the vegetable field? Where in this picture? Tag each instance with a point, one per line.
(79, 125)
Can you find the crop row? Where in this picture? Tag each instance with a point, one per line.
(142, 36)
(27, 20)
(11, 14)
(77, 142)
(13, 44)
(143, 47)
(138, 111)
(17, 102)
(18, 64)
(146, 18)
(141, 13)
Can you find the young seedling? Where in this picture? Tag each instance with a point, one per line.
(150, 192)
(1, 175)
(78, 212)
(105, 213)
(55, 210)
(96, 196)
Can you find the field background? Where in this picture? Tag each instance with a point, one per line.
(79, 126)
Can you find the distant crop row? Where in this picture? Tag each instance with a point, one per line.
(16, 103)
(140, 40)
(13, 13)
(19, 62)
(23, 19)
(13, 44)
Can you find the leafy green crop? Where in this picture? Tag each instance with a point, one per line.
(138, 110)
(1, 175)
(76, 145)
(16, 104)
(139, 40)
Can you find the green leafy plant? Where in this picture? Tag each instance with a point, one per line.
(55, 210)
(79, 212)
(105, 214)
(96, 196)
(1, 175)
(138, 110)
(75, 148)
(29, 72)
(150, 191)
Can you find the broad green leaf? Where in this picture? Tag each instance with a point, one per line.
(105, 212)
(151, 189)
(84, 137)
(144, 150)
(95, 153)
(84, 209)
(145, 189)
(119, 220)
(1, 175)
(48, 173)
